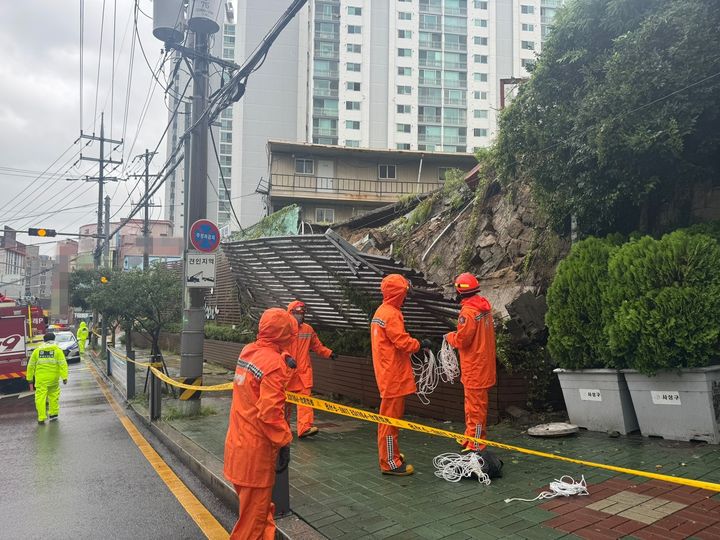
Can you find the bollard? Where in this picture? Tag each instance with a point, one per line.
(130, 376)
(281, 493)
(107, 358)
(155, 397)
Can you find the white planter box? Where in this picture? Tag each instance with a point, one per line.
(598, 399)
(680, 406)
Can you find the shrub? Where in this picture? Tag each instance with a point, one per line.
(576, 314)
(244, 333)
(665, 301)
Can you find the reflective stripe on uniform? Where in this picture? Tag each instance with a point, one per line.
(379, 322)
(252, 368)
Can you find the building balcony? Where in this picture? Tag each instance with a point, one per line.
(457, 12)
(425, 81)
(427, 8)
(328, 36)
(327, 17)
(456, 66)
(425, 62)
(448, 139)
(453, 102)
(455, 46)
(426, 44)
(326, 55)
(324, 132)
(428, 119)
(455, 121)
(455, 84)
(325, 92)
(326, 74)
(436, 27)
(293, 186)
(429, 100)
(455, 29)
(424, 138)
(321, 111)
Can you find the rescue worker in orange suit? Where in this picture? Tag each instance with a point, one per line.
(391, 350)
(302, 380)
(475, 342)
(258, 437)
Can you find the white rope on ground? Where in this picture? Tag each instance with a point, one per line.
(454, 467)
(560, 487)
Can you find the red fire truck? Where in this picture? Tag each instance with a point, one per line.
(21, 328)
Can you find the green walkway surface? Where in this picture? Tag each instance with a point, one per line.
(337, 488)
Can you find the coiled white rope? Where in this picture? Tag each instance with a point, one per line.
(454, 467)
(430, 369)
(564, 487)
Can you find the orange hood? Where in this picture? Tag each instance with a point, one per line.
(278, 327)
(295, 304)
(394, 289)
(478, 302)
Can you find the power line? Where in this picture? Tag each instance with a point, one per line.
(82, 33)
(48, 212)
(112, 76)
(97, 83)
(222, 177)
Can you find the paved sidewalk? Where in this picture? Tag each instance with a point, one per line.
(336, 486)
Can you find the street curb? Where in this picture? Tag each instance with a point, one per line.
(209, 469)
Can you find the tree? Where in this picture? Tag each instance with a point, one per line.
(620, 117)
(82, 284)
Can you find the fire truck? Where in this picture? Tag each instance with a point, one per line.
(21, 329)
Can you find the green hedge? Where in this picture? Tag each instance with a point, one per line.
(575, 316)
(241, 334)
(665, 297)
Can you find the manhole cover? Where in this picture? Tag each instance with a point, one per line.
(555, 429)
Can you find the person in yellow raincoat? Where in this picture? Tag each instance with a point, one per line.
(82, 335)
(46, 367)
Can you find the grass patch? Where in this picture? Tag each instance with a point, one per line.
(173, 413)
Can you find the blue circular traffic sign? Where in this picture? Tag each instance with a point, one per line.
(205, 236)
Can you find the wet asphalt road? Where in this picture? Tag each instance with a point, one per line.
(83, 476)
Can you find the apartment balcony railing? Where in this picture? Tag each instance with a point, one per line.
(332, 36)
(455, 102)
(455, 121)
(429, 81)
(456, 65)
(426, 62)
(324, 132)
(428, 119)
(326, 55)
(425, 25)
(448, 139)
(461, 12)
(428, 44)
(429, 139)
(325, 92)
(289, 185)
(321, 111)
(429, 100)
(428, 8)
(455, 84)
(327, 73)
(455, 29)
(449, 46)
(324, 17)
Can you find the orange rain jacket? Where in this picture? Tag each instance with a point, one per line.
(307, 341)
(258, 428)
(391, 344)
(475, 341)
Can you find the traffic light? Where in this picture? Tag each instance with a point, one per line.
(42, 232)
(104, 280)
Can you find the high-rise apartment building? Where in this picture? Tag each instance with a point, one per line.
(427, 75)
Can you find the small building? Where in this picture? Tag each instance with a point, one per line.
(12, 265)
(332, 184)
(38, 276)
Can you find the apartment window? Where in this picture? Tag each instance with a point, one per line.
(442, 173)
(480, 4)
(480, 113)
(386, 172)
(481, 59)
(353, 66)
(352, 124)
(304, 166)
(404, 90)
(350, 143)
(324, 215)
(527, 63)
(352, 10)
(402, 146)
(404, 109)
(480, 95)
(226, 136)
(528, 27)
(354, 86)
(404, 16)
(354, 29)
(479, 40)
(481, 23)
(404, 128)
(404, 34)
(405, 71)
(527, 10)
(352, 105)
(480, 132)
(480, 77)
(405, 53)
(354, 47)
(528, 45)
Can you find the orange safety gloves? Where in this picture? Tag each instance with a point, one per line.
(257, 427)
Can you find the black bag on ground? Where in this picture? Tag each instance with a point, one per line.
(492, 465)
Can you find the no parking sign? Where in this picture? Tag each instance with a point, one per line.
(204, 236)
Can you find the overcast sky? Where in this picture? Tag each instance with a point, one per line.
(40, 107)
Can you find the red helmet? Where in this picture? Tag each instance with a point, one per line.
(296, 306)
(466, 283)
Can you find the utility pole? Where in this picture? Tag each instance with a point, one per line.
(147, 156)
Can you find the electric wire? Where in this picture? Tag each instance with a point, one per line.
(50, 212)
(222, 177)
(82, 33)
(112, 76)
(97, 83)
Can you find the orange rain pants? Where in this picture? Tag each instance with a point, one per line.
(305, 415)
(476, 409)
(252, 523)
(388, 447)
